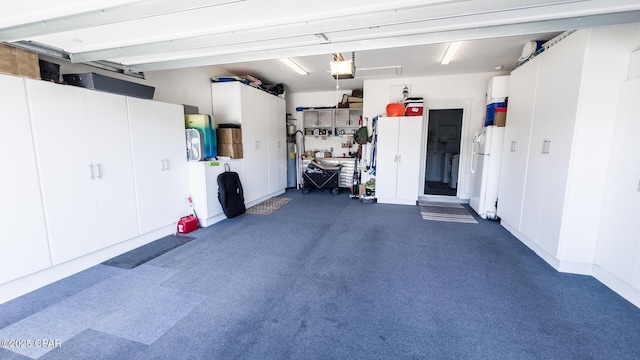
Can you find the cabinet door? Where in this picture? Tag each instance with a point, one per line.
(24, 238)
(255, 145)
(619, 234)
(113, 165)
(282, 143)
(63, 150)
(516, 144)
(536, 163)
(568, 65)
(409, 145)
(273, 142)
(387, 159)
(160, 162)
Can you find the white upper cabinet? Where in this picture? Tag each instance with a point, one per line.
(160, 162)
(25, 249)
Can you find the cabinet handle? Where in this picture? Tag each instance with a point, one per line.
(545, 146)
(548, 146)
(99, 176)
(91, 171)
(167, 166)
(514, 146)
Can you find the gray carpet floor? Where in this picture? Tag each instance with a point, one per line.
(327, 277)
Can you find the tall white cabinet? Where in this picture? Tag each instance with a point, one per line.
(557, 146)
(516, 143)
(618, 252)
(22, 221)
(398, 162)
(84, 157)
(160, 162)
(263, 120)
(91, 175)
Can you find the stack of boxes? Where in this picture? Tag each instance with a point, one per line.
(230, 142)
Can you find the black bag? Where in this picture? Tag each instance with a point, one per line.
(230, 193)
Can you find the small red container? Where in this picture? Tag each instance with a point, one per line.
(187, 224)
(414, 110)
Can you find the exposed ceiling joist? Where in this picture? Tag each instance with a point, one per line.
(108, 15)
(392, 42)
(373, 23)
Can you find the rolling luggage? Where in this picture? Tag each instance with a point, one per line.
(230, 193)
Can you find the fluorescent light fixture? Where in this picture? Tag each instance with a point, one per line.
(451, 51)
(344, 69)
(295, 67)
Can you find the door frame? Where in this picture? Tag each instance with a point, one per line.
(448, 104)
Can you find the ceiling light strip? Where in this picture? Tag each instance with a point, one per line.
(294, 66)
(450, 53)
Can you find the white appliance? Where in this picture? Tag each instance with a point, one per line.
(485, 170)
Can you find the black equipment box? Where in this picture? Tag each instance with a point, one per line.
(108, 84)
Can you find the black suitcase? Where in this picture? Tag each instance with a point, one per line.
(230, 193)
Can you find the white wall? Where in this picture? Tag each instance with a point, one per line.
(439, 92)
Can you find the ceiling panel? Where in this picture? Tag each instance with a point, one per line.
(247, 36)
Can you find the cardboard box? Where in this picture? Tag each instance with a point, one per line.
(225, 136)
(233, 151)
(500, 117)
(357, 105)
(237, 136)
(229, 136)
(19, 62)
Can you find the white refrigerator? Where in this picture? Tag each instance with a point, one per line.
(485, 170)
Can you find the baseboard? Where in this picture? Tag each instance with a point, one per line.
(616, 284)
(26, 284)
(266, 197)
(396, 201)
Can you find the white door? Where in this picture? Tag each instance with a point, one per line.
(68, 178)
(387, 159)
(516, 145)
(160, 162)
(282, 143)
(24, 238)
(113, 166)
(409, 155)
(255, 145)
(619, 233)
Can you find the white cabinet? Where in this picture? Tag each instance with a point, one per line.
(84, 158)
(398, 163)
(203, 182)
(25, 249)
(160, 162)
(67, 171)
(263, 120)
(112, 165)
(577, 85)
(516, 143)
(619, 233)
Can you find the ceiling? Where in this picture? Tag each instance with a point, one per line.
(389, 38)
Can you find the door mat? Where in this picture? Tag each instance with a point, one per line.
(443, 211)
(268, 206)
(144, 253)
